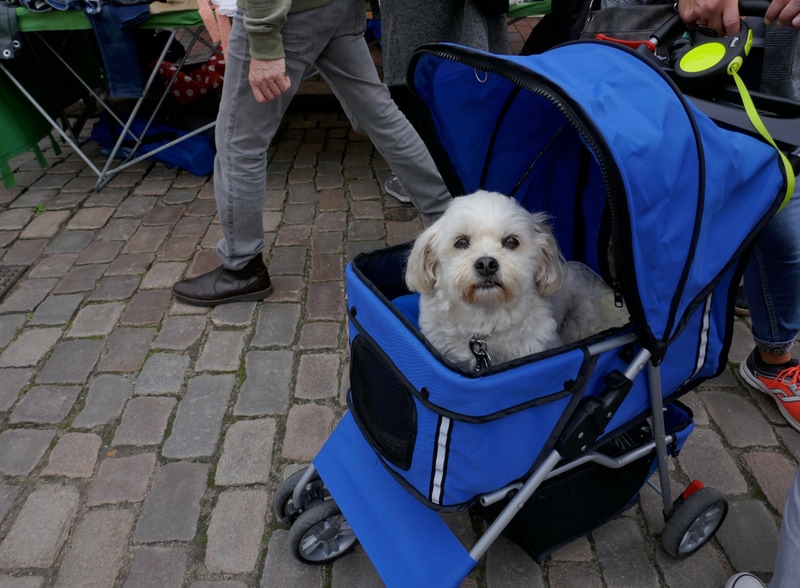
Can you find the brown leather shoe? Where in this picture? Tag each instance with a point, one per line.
(220, 285)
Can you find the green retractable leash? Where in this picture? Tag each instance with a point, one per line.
(713, 58)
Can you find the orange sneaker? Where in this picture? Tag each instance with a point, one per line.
(781, 381)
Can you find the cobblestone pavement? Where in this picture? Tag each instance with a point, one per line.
(142, 440)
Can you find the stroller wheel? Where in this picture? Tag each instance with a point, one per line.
(321, 534)
(285, 510)
(694, 522)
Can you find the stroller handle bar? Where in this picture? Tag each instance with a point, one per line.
(674, 23)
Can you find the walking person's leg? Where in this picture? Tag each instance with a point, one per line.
(772, 285)
(347, 66)
(244, 131)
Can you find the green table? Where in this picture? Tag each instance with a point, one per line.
(28, 110)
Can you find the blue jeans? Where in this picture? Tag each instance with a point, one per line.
(330, 37)
(772, 280)
(787, 560)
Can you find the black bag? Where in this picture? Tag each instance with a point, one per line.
(492, 7)
(564, 23)
(629, 23)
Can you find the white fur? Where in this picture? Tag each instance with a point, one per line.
(532, 301)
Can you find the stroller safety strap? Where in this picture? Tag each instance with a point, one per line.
(409, 543)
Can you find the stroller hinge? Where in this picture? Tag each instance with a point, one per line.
(593, 414)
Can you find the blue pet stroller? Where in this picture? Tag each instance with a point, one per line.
(643, 188)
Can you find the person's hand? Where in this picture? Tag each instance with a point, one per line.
(785, 12)
(268, 79)
(719, 15)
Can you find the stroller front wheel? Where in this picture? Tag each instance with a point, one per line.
(321, 534)
(285, 510)
(694, 522)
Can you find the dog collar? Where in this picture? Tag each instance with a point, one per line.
(478, 347)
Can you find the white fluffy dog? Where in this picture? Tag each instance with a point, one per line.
(491, 272)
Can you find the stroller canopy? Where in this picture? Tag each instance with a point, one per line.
(640, 185)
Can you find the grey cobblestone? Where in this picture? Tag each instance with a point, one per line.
(45, 225)
(14, 380)
(54, 266)
(28, 295)
(738, 419)
(9, 327)
(163, 373)
(74, 456)
(41, 527)
(80, 279)
(115, 288)
(45, 404)
(126, 349)
(96, 320)
(238, 314)
(623, 563)
(144, 421)
(122, 479)
(157, 566)
(318, 376)
(749, 536)
(221, 352)
(56, 310)
(104, 402)
(247, 453)
(281, 569)
(266, 386)
(234, 533)
(8, 494)
(775, 474)
(73, 241)
(307, 428)
(704, 458)
(180, 332)
(21, 450)
(99, 252)
(98, 550)
(21, 581)
(196, 430)
(172, 508)
(276, 325)
(71, 362)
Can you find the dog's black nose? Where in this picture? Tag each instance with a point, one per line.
(486, 266)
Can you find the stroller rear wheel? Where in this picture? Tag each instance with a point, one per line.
(694, 522)
(321, 534)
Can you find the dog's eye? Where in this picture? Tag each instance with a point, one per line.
(511, 242)
(461, 243)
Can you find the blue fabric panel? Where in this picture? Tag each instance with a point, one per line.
(518, 432)
(690, 209)
(471, 396)
(408, 543)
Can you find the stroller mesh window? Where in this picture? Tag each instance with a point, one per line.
(382, 403)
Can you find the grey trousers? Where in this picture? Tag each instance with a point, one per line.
(787, 561)
(331, 38)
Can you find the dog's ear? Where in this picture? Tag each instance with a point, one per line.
(422, 262)
(550, 273)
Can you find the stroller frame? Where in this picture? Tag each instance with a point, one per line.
(301, 494)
